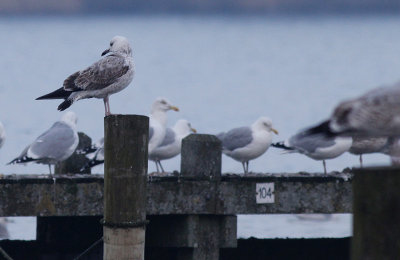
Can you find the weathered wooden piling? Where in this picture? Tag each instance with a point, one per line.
(201, 159)
(125, 179)
(376, 208)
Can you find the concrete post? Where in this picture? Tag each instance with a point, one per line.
(125, 179)
(76, 161)
(376, 208)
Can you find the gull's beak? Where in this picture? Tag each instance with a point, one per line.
(105, 52)
(275, 131)
(174, 108)
(193, 130)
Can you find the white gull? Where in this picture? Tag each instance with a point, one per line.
(317, 146)
(53, 146)
(158, 122)
(172, 143)
(249, 142)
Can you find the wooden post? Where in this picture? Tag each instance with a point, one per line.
(201, 158)
(376, 208)
(76, 161)
(125, 179)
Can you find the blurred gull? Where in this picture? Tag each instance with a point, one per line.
(376, 113)
(98, 155)
(158, 122)
(53, 146)
(172, 143)
(392, 149)
(316, 146)
(249, 142)
(2, 135)
(364, 145)
(107, 76)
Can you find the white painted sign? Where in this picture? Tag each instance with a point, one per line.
(265, 193)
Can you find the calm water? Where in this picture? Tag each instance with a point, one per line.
(222, 72)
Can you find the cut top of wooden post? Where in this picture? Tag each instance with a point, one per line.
(201, 156)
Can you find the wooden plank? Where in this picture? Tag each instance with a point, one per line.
(82, 195)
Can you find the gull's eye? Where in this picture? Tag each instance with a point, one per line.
(111, 44)
(163, 102)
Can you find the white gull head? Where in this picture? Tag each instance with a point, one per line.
(183, 128)
(162, 104)
(264, 123)
(119, 45)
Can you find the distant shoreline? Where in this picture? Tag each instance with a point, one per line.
(218, 7)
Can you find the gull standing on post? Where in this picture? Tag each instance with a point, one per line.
(53, 146)
(103, 78)
(249, 142)
(172, 143)
(158, 122)
(316, 146)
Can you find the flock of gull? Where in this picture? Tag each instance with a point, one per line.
(366, 124)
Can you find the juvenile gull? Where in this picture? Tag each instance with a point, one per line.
(376, 114)
(364, 145)
(249, 142)
(317, 146)
(172, 143)
(158, 122)
(103, 78)
(97, 158)
(53, 146)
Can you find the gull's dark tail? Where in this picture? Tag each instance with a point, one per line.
(281, 145)
(57, 94)
(87, 150)
(23, 159)
(91, 164)
(322, 128)
(64, 105)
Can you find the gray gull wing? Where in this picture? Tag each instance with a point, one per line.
(237, 138)
(169, 137)
(53, 143)
(309, 143)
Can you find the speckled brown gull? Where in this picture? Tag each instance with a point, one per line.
(374, 114)
(103, 78)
